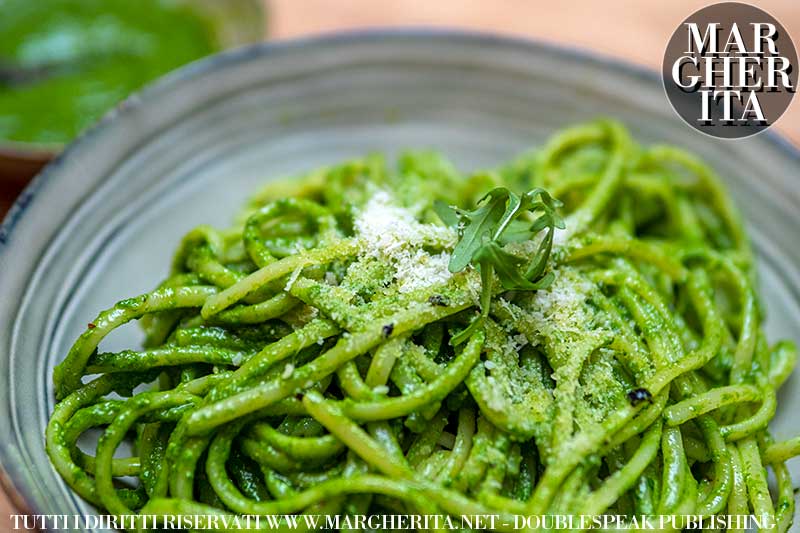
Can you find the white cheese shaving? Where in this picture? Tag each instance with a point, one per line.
(293, 278)
(420, 269)
(392, 233)
(520, 341)
(562, 306)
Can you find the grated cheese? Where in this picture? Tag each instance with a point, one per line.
(562, 306)
(393, 234)
(519, 341)
(420, 269)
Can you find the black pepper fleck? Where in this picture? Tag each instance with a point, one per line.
(439, 300)
(637, 396)
(387, 330)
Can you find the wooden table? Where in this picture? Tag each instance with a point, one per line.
(635, 30)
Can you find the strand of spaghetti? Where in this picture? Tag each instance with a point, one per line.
(351, 382)
(647, 491)
(176, 471)
(405, 404)
(285, 347)
(323, 447)
(353, 436)
(646, 252)
(685, 410)
(497, 467)
(113, 436)
(68, 373)
(783, 357)
(737, 502)
(623, 479)
(722, 201)
(474, 468)
(253, 235)
(674, 470)
(212, 415)
(784, 509)
(383, 361)
(699, 290)
(609, 181)
(92, 416)
(257, 313)
(720, 490)
(564, 141)
(573, 491)
(745, 347)
(57, 447)
(643, 420)
(273, 271)
(266, 455)
(176, 454)
(755, 479)
(461, 447)
(183, 466)
(759, 420)
(781, 451)
(131, 360)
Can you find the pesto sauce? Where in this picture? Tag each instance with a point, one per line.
(64, 63)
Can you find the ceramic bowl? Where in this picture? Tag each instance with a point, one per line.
(101, 221)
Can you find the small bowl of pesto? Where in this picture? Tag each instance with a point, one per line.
(65, 63)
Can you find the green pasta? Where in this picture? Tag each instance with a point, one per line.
(370, 339)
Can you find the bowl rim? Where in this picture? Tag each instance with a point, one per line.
(245, 53)
(295, 45)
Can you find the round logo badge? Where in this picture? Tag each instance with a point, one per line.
(730, 70)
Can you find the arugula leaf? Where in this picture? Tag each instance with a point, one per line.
(481, 222)
(486, 300)
(507, 267)
(517, 231)
(446, 212)
(550, 219)
(494, 223)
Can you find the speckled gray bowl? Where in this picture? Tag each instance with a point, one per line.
(100, 223)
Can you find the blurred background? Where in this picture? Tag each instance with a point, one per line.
(84, 80)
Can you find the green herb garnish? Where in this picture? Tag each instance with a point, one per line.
(483, 233)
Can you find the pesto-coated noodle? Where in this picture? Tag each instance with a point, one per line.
(355, 346)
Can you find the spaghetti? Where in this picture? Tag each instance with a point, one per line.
(351, 348)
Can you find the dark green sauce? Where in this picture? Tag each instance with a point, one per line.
(63, 63)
